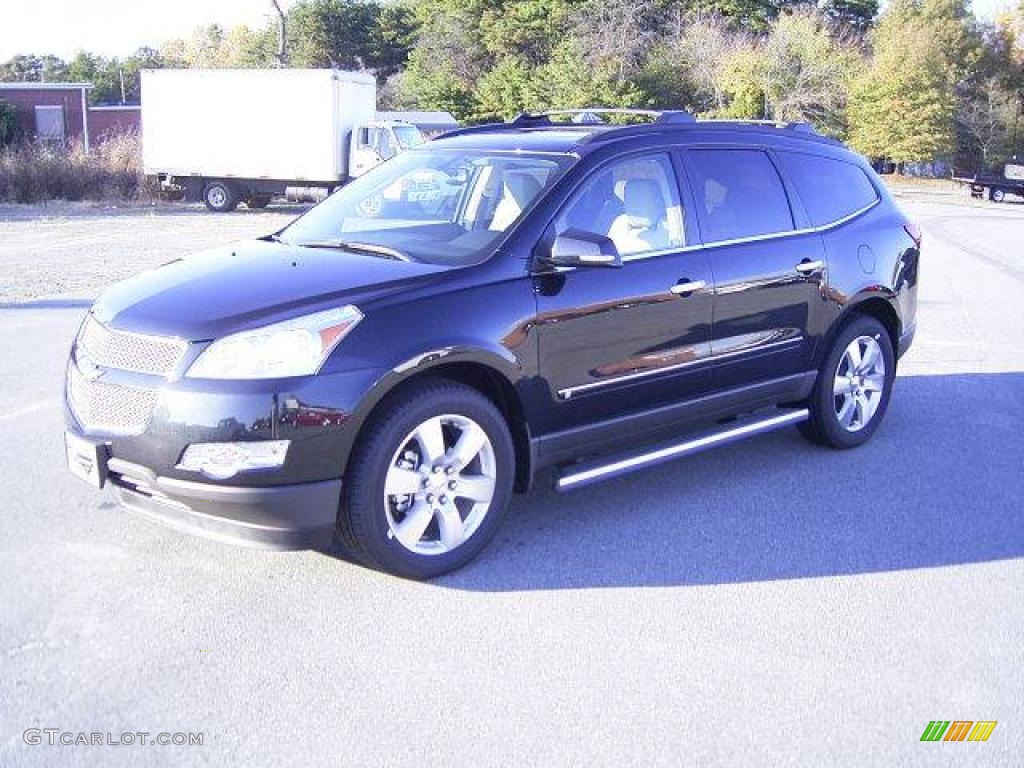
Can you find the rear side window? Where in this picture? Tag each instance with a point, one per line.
(829, 189)
(739, 194)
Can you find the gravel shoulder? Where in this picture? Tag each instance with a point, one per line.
(76, 249)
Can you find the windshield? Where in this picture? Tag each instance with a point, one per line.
(408, 136)
(438, 206)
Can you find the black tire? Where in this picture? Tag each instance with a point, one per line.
(220, 197)
(257, 201)
(364, 527)
(997, 195)
(824, 426)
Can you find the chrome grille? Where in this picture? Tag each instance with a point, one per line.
(109, 407)
(157, 355)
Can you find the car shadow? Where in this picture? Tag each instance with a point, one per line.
(940, 484)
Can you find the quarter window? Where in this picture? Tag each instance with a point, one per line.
(829, 189)
(739, 194)
(634, 202)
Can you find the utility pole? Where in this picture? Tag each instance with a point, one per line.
(282, 35)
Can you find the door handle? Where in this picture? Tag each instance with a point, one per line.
(685, 287)
(808, 267)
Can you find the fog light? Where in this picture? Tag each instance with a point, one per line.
(223, 460)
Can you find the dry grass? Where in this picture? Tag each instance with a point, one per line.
(37, 172)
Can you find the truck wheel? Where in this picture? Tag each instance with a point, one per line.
(996, 195)
(853, 387)
(257, 201)
(429, 482)
(220, 197)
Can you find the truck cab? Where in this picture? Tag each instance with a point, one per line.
(997, 187)
(377, 141)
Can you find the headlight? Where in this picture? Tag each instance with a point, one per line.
(293, 348)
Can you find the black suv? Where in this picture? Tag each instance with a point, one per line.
(577, 297)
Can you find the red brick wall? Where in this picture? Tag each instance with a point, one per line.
(25, 100)
(105, 122)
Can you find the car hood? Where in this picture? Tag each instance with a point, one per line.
(240, 286)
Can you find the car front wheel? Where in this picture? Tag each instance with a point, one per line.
(854, 384)
(429, 482)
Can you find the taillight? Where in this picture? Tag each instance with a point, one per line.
(914, 231)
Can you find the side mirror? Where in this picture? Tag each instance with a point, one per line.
(576, 248)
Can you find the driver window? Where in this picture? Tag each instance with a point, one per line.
(378, 140)
(634, 202)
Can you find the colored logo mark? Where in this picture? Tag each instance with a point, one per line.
(958, 730)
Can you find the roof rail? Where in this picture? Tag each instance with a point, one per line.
(786, 124)
(482, 128)
(592, 115)
(662, 119)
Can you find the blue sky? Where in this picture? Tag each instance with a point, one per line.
(118, 27)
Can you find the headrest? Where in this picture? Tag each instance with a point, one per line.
(644, 204)
(520, 187)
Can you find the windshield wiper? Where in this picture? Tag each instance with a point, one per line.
(344, 245)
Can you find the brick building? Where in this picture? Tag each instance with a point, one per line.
(61, 112)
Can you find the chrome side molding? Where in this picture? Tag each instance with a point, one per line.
(569, 392)
(578, 476)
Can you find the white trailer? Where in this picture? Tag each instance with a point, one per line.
(247, 135)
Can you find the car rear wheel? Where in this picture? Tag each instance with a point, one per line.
(854, 383)
(996, 195)
(429, 482)
(220, 197)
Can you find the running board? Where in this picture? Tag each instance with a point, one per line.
(579, 475)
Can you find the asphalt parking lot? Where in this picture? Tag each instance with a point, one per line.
(770, 603)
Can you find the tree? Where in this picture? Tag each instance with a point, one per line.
(903, 107)
(504, 91)
(332, 33)
(687, 67)
(281, 54)
(213, 47)
(804, 72)
(34, 68)
(8, 116)
(988, 118)
(749, 15)
(528, 30)
(448, 58)
(393, 38)
(856, 15)
(568, 80)
(102, 72)
(616, 35)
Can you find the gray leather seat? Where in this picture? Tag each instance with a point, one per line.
(642, 226)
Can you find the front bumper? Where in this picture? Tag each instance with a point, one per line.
(906, 340)
(298, 516)
(291, 507)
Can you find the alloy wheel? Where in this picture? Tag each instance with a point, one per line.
(859, 383)
(439, 485)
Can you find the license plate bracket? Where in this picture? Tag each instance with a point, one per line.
(87, 459)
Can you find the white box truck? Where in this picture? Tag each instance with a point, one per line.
(227, 136)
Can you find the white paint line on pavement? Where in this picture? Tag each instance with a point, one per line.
(42, 405)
